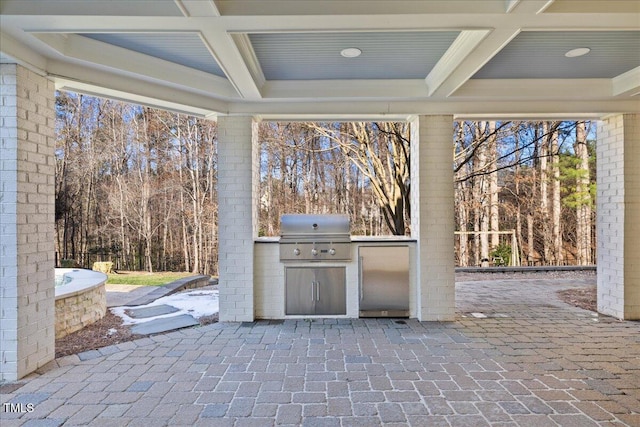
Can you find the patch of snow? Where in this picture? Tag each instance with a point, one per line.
(197, 303)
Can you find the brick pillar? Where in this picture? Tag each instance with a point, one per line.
(618, 216)
(27, 169)
(432, 215)
(238, 168)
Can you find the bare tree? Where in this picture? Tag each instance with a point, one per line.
(140, 184)
(380, 151)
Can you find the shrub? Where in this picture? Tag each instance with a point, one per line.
(501, 255)
(69, 263)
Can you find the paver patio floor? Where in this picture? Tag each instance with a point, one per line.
(515, 356)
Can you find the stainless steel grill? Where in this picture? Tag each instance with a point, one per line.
(314, 238)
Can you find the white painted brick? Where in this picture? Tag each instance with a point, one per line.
(237, 160)
(27, 275)
(617, 172)
(432, 222)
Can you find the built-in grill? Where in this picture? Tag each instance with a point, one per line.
(314, 238)
(319, 289)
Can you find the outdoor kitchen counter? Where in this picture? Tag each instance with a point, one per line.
(275, 239)
(354, 239)
(269, 274)
(382, 239)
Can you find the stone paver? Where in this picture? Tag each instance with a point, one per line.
(515, 356)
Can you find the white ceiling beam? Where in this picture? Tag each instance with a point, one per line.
(344, 89)
(22, 54)
(355, 7)
(495, 109)
(449, 81)
(591, 6)
(109, 93)
(230, 59)
(510, 4)
(75, 76)
(144, 66)
(527, 6)
(86, 8)
(457, 53)
(245, 48)
(248, 24)
(419, 22)
(535, 89)
(627, 84)
(488, 89)
(191, 8)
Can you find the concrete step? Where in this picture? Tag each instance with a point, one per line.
(164, 324)
(153, 311)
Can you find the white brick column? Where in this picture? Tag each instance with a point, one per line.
(27, 203)
(618, 216)
(432, 215)
(238, 168)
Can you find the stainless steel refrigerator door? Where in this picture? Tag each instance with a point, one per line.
(384, 281)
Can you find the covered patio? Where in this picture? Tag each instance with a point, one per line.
(238, 62)
(514, 356)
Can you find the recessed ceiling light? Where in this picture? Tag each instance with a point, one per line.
(351, 52)
(573, 53)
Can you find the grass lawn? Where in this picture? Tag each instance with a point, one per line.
(145, 278)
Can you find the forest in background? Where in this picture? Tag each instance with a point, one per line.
(137, 186)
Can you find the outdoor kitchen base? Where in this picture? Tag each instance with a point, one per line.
(316, 269)
(384, 313)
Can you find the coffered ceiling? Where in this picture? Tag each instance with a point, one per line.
(282, 58)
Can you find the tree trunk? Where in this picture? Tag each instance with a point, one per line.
(494, 206)
(484, 199)
(583, 209)
(516, 178)
(555, 201)
(463, 218)
(544, 194)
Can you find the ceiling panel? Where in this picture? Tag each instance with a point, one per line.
(541, 55)
(181, 48)
(88, 7)
(608, 6)
(356, 7)
(385, 55)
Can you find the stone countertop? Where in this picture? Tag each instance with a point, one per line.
(354, 239)
(382, 239)
(275, 239)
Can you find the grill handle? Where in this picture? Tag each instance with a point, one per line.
(360, 277)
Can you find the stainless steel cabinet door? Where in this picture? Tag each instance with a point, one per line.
(300, 291)
(311, 290)
(331, 291)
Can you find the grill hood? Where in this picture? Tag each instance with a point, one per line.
(314, 227)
